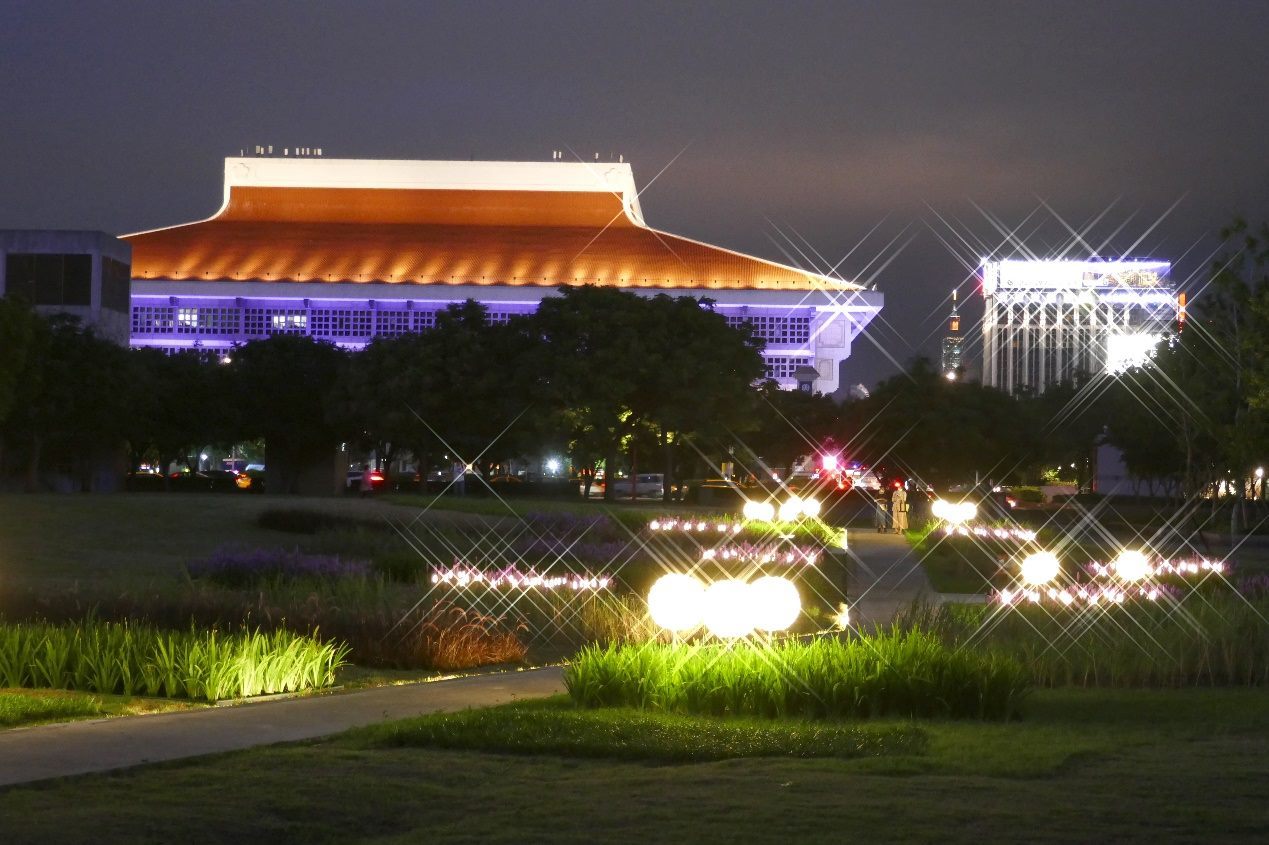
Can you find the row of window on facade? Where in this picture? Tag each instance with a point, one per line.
(66, 280)
(1107, 315)
(365, 322)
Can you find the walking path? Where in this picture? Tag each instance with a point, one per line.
(886, 577)
(76, 748)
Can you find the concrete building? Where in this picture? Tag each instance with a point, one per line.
(1050, 321)
(349, 250)
(81, 273)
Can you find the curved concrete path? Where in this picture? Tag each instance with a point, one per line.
(76, 748)
(885, 577)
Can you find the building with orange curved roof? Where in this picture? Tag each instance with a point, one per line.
(347, 250)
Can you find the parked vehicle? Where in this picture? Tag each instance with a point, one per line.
(353, 481)
(644, 485)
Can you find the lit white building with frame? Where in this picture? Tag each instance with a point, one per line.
(1046, 322)
(348, 250)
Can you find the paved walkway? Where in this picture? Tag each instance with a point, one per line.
(885, 578)
(76, 748)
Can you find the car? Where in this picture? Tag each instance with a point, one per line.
(643, 486)
(353, 480)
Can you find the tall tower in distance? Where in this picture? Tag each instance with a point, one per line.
(953, 344)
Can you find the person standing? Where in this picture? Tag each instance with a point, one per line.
(899, 509)
(882, 511)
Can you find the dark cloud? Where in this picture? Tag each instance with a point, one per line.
(821, 119)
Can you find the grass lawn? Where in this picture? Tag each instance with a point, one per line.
(21, 707)
(130, 538)
(1083, 766)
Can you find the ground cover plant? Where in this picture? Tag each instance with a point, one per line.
(23, 709)
(133, 659)
(890, 673)
(557, 726)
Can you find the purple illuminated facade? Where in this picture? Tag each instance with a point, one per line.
(211, 293)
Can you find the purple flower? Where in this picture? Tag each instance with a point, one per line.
(236, 567)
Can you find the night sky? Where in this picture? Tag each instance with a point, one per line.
(865, 126)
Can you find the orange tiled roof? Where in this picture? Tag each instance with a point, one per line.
(435, 236)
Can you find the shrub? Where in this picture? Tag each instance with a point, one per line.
(903, 674)
(131, 659)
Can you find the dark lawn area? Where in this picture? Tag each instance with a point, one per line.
(1084, 766)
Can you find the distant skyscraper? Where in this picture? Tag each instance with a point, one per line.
(1046, 322)
(953, 343)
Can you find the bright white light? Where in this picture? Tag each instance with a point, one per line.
(791, 509)
(1260, 472)
(203, 456)
(1040, 568)
(759, 511)
(950, 375)
(775, 603)
(954, 513)
(728, 609)
(1131, 565)
(811, 507)
(675, 602)
(553, 465)
(1124, 351)
(829, 462)
(842, 618)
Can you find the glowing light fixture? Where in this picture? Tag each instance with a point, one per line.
(1040, 568)
(759, 511)
(553, 465)
(790, 509)
(954, 513)
(775, 603)
(1131, 565)
(811, 507)
(829, 462)
(675, 602)
(842, 618)
(728, 609)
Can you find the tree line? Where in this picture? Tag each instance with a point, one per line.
(652, 384)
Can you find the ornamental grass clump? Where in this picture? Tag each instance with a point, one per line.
(127, 659)
(889, 674)
(1201, 640)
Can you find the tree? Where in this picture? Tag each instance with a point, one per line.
(620, 370)
(280, 388)
(17, 334)
(789, 424)
(71, 400)
(940, 431)
(179, 403)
